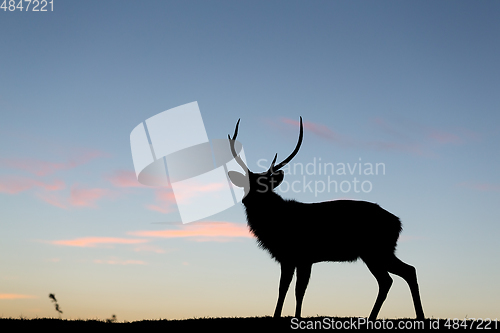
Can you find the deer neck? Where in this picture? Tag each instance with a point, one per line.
(262, 207)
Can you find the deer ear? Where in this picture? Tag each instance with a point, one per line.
(237, 178)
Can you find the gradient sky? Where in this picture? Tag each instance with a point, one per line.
(413, 85)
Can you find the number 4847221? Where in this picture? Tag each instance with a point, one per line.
(27, 5)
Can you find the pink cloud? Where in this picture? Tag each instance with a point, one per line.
(124, 178)
(468, 135)
(215, 231)
(158, 208)
(405, 129)
(96, 241)
(84, 197)
(318, 129)
(407, 136)
(78, 197)
(37, 167)
(164, 197)
(53, 200)
(43, 168)
(395, 146)
(483, 187)
(326, 133)
(443, 137)
(16, 184)
(393, 131)
(165, 201)
(16, 296)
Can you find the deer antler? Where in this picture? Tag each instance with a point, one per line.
(233, 151)
(274, 168)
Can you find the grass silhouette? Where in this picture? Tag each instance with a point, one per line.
(54, 300)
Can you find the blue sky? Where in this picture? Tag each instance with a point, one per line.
(413, 85)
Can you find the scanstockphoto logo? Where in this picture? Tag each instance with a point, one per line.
(172, 149)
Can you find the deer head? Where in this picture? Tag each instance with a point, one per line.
(264, 182)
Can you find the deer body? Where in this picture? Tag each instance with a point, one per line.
(297, 234)
(342, 230)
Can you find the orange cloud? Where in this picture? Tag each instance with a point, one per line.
(95, 241)
(16, 296)
(166, 200)
(185, 192)
(16, 184)
(214, 231)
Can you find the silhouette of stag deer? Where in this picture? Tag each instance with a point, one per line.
(297, 234)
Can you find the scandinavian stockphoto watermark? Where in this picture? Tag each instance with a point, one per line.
(319, 176)
(172, 149)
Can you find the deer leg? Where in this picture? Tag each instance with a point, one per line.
(409, 274)
(303, 275)
(285, 279)
(384, 284)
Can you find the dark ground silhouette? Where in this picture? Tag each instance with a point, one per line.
(250, 324)
(297, 234)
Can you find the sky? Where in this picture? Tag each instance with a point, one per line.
(412, 86)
